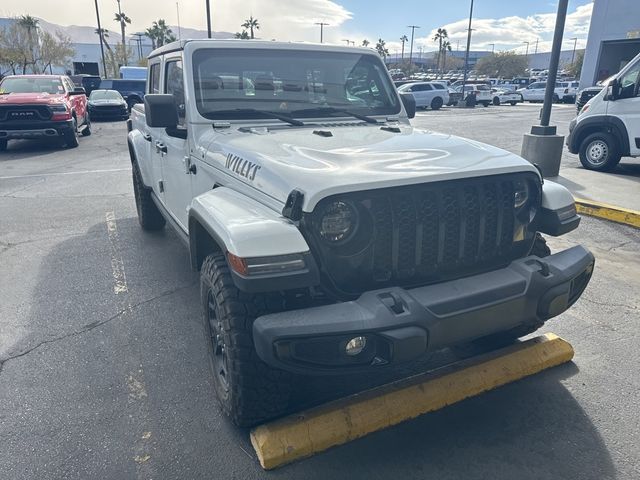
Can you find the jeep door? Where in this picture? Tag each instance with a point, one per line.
(627, 106)
(172, 149)
(150, 135)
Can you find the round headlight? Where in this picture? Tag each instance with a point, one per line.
(338, 222)
(521, 193)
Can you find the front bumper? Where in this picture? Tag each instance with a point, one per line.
(400, 325)
(36, 129)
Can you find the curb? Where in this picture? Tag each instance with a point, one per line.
(315, 430)
(608, 212)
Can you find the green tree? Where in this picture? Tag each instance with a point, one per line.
(30, 25)
(575, 68)
(242, 35)
(382, 48)
(55, 50)
(365, 43)
(122, 19)
(446, 46)
(403, 39)
(160, 34)
(440, 36)
(502, 64)
(251, 24)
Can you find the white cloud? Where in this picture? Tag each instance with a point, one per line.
(510, 33)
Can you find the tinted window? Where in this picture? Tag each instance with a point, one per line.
(174, 84)
(299, 83)
(154, 78)
(106, 84)
(438, 86)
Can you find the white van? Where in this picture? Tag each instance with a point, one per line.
(608, 126)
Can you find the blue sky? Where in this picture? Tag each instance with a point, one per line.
(503, 22)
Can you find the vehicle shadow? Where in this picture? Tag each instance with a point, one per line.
(18, 149)
(153, 336)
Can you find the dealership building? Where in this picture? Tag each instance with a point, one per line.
(614, 39)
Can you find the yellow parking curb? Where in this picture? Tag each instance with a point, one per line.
(608, 212)
(304, 434)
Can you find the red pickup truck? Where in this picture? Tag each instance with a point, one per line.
(42, 106)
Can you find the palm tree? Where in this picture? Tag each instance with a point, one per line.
(403, 39)
(104, 33)
(440, 36)
(122, 18)
(251, 23)
(446, 45)
(160, 34)
(365, 43)
(31, 24)
(381, 48)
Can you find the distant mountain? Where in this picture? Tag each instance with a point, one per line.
(86, 34)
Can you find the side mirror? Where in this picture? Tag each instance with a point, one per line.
(409, 103)
(613, 90)
(161, 110)
(78, 91)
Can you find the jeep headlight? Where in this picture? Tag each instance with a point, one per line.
(338, 222)
(521, 193)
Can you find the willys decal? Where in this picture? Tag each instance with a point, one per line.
(242, 167)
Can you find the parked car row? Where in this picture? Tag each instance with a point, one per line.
(54, 107)
(435, 94)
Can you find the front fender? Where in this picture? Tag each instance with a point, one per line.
(245, 227)
(225, 220)
(139, 152)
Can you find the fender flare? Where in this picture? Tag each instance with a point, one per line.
(223, 220)
(599, 123)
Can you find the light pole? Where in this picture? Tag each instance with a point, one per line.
(139, 36)
(322, 24)
(413, 29)
(575, 42)
(466, 54)
(179, 29)
(543, 147)
(493, 48)
(526, 53)
(208, 19)
(535, 52)
(104, 63)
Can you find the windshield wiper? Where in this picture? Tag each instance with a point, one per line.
(322, 110)
(266, 114)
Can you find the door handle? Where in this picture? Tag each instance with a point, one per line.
(146, 136)
(161, 147)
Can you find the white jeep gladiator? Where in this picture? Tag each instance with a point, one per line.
(330, 235)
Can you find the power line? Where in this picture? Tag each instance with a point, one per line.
(322, 24)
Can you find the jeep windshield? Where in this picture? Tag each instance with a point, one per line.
(240, 84)
(31, 85)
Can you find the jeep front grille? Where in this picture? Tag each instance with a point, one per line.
(425, 233)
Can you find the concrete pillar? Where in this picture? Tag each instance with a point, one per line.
(544, 151)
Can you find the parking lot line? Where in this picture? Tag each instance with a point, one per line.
(117, 264)
(307, 433)
(54, 174)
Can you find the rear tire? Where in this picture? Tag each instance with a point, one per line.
(496, 101)
(248, 390)
(486, 104)
(599, 151)
(506, 338)
(436, 103)
(87, 125)
(513, 104)
(149, 216)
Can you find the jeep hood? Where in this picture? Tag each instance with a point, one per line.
(352, 158)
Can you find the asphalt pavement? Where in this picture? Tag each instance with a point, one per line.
(103, 362)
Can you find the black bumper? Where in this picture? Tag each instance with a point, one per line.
(400, 325)
(35, 129)
(109, 112)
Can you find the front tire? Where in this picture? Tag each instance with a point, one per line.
(87, 125)
(436, 103)
(496, 101)
(71, 135)
(486, 104)
(248, 390)
(599, 151)
(513, 104)
(149, 216)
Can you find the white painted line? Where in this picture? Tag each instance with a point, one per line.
(117, 264)
(55, 174)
